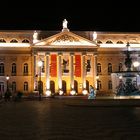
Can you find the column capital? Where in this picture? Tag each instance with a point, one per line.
(71, 53)
(95, 54)
(60, 53)
(34, 53)
(84, 53)
(47, 53)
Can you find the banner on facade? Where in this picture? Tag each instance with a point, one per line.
(78, 65)
(53, 68)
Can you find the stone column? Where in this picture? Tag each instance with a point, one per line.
(35, 74)
(59, 72)
(47, 72)
(95, 70)
(71, 71)
(83, 71)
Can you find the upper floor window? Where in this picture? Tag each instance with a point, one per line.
(99, 85)
(109, 84)
(1, 87)
(25, 41)
(120, 66)
(2, 40)
(99, 41)
(99, 70)
(25, 86)
(13, 86)
(25, 69)
(13, 69)
(119, 42)
(109, 42)
(109, 68)
(1, 69)
(13, 41)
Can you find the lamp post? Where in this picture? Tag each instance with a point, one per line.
(7, 79)
(40, 63)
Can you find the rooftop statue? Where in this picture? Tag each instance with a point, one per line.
(65, 22)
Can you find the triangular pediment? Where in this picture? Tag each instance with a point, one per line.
(66, 38)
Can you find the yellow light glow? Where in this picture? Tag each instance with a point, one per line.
(40, 63)
(7, 77)
(84, 84)
(48, 93)
(120, 77)
(60, 92)
(97, 77)
(60, 84)
(73, 92)
(85, 92)
(136, 64)
(48, 84)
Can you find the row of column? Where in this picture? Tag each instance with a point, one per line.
(60, 71)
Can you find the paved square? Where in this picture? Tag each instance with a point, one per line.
(68, 119)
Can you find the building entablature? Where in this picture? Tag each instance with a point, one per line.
(118, 38)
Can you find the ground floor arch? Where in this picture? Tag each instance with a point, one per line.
(87, 85)
(76, 86)
(64, 86)
(40, 87)
(52, 87)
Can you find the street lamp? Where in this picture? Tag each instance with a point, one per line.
(7, 79)
(40, 63)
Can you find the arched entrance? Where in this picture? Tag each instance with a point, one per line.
(76, 86)
(1, 89)
(64, 87)
(87, 85)
(40, 87)
(52, 87)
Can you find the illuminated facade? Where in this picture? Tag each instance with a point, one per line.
(71, 60)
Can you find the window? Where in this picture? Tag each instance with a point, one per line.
(120, 67)
(119, 42)
(25, 41)
(99, 42)
(1, 87)
(2, 40)
(25, 69)
(109, 42)
(99, 85)
(25, 86)
(109, 84)
(1, 69)
(99, 68)
(13, 41)
(109, 68)
(13, 69)
(13, 86)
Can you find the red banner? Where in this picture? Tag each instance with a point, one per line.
(53, 68)
(78, 65)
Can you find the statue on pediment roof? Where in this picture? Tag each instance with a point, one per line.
(65, 22)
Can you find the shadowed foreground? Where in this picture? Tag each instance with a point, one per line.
(69, 119)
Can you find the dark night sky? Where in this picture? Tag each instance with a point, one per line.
(85, 15)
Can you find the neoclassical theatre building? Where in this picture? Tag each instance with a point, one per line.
(62, 62)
